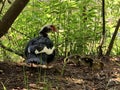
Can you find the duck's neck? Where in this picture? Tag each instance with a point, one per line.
(44, 34)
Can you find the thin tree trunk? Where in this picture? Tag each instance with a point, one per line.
(11, 15)
(100, 52)
(113, 39)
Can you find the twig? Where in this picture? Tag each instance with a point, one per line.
(3, 3)
(11, 50)
(20, 32)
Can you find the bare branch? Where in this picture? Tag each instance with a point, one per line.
(113, 39)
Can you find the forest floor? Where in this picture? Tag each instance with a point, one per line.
(17, 76)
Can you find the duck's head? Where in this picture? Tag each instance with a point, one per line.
(47, 28)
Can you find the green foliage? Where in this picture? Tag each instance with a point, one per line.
(78, 21)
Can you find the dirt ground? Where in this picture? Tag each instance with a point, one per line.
(17, 76)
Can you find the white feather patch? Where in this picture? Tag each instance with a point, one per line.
(46, 50)
(28, 49)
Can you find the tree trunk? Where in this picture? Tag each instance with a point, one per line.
(100, 52)
(113, 39)
(11, 15)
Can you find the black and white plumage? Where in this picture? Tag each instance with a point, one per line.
(40, 50)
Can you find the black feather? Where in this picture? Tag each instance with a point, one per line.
(39, 43)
